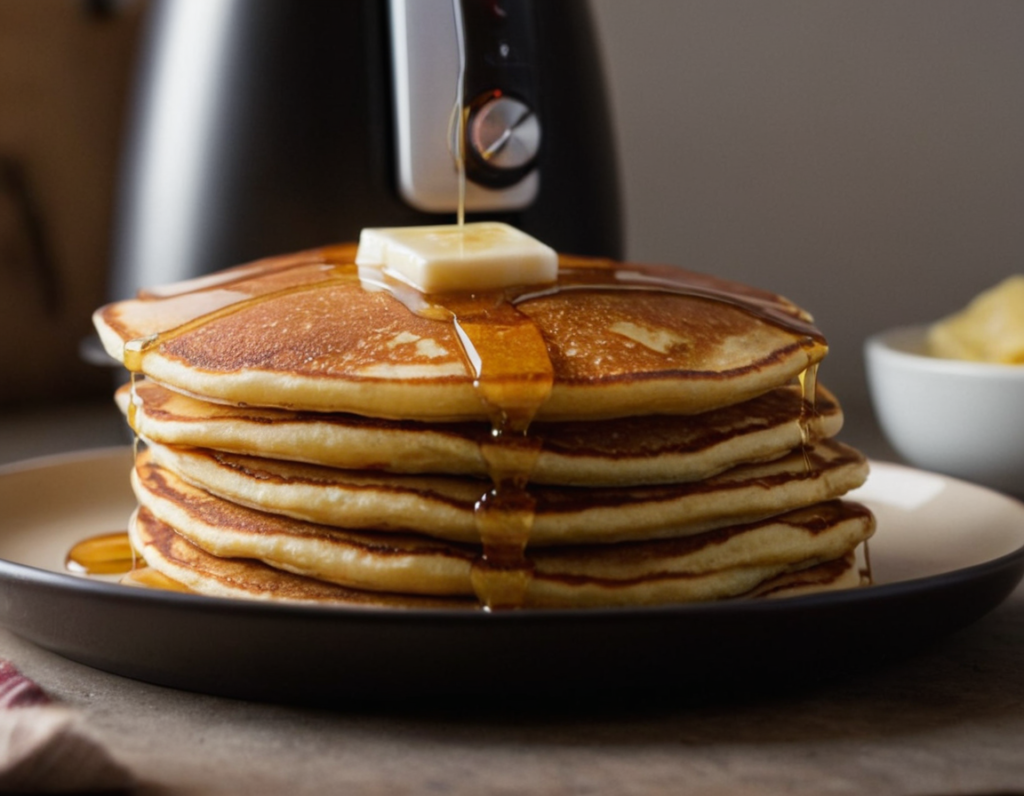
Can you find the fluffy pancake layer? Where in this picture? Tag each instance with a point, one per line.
(185, 564)
(623, 452)
(444, 506)
(415, 564)
(304, 333)
(181, 565)
(245, 555)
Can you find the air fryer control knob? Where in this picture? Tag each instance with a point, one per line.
(502, 141)
(505, 133)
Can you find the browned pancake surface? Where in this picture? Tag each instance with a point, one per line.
(308, 334)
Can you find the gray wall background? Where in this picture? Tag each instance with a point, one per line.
(865, 159)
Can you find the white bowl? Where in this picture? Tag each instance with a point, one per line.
(965, 419)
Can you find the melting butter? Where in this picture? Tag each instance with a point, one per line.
(989, 329)
(448, 258)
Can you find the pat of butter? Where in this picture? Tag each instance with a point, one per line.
(483, 256)
(989, 329)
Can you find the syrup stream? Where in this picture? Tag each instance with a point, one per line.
(460, 113)
(513, 376)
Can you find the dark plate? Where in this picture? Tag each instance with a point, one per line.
(946, 552)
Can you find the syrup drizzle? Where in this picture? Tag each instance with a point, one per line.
(103, 554)
(808, 380)
(588, 275)
(460, 114)
(513, 377)
(507, 356)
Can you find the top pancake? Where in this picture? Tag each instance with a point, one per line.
(303, 332)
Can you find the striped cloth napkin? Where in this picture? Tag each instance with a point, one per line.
(44, 747)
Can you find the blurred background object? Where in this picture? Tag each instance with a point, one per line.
(65, 68)
(267, 126)
(862, 158)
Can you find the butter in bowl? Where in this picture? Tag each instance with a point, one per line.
(950, 396)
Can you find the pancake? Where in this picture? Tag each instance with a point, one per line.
(623, 452)
(144, 576)
(628, 435)
(839, 573)
(418, 565)
(396, 562)
(303, 332)
(176, 557)
(752, 581)
(443, 506)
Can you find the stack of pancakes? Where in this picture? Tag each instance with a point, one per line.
(313, 433)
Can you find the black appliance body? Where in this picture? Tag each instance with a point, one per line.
(266, 126)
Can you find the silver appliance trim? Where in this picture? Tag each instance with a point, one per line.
(171, 168)
(425, 71)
